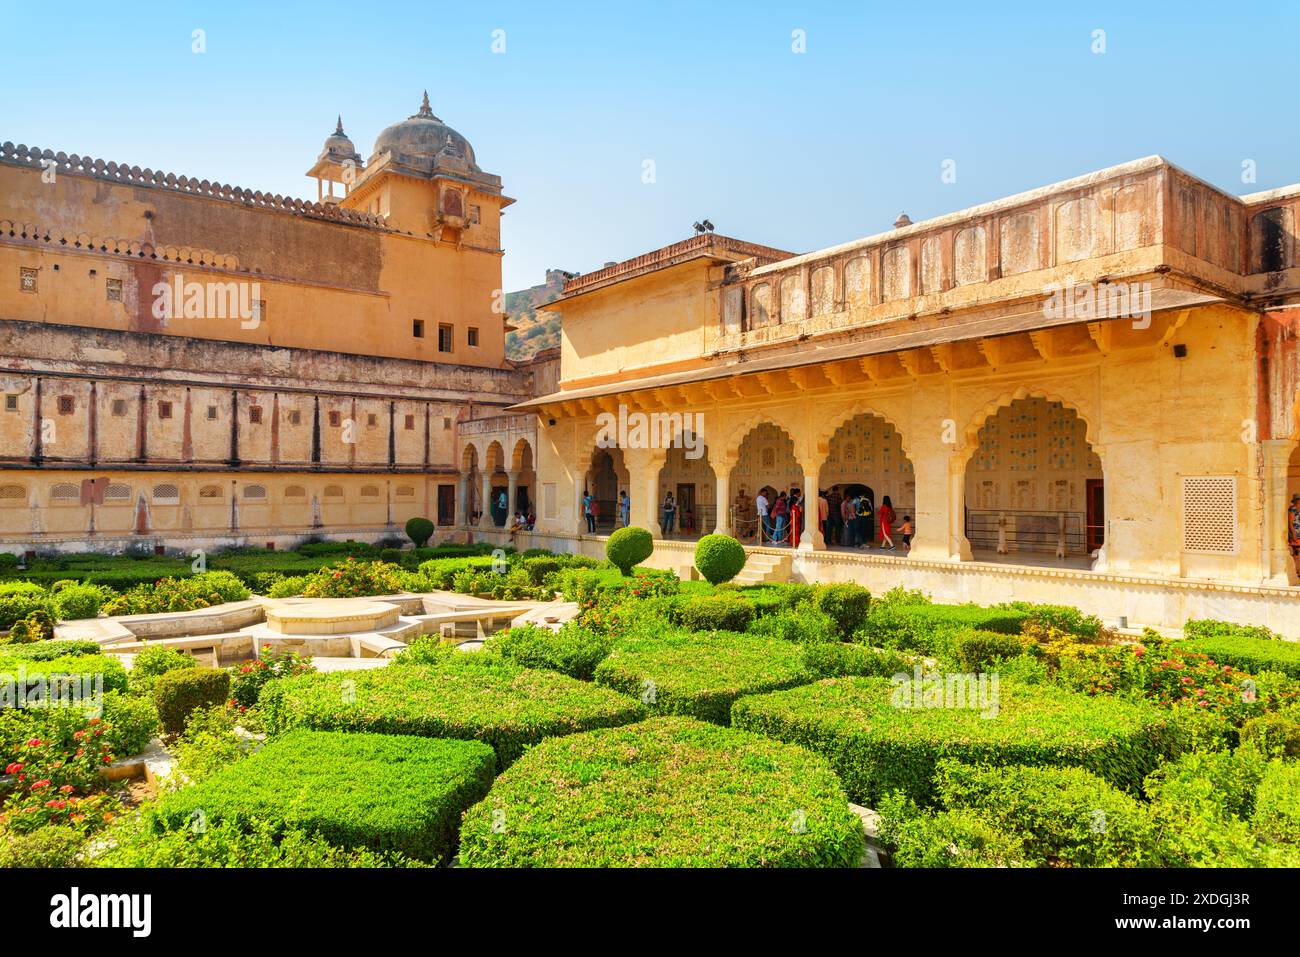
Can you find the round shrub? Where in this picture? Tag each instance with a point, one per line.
(75, 600)
(20, 599)
(846, 603)
(629, 547)
(154, 661)
(668, 792)
(1273, 735)
(719, 558)
(419, 531)
(725, 612)
(177, 693)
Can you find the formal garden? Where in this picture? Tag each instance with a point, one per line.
(668, 722)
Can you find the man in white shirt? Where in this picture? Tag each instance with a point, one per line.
(761, 502)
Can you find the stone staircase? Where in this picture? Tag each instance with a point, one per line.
(761, 569)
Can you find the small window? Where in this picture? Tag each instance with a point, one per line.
(27, 279)
(117, 492)
(372, 420)
(410, 423)
(255, 493)
(210, 492)
(471, 336)
(113, 290)
(65, 492)
(446, 424)
(445, 341)
(255, 414)
(370, 491)
(11, 403)
(212, 412)
(336, 419)
(333, 492)
(295, 417)
(13, 495)
(474, 213)
(119, 407)
(166, 494)
(164, 410)
(417, 328)
(406, 491)
(295, 492)
(67, 405)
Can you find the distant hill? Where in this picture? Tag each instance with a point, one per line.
(534, 333)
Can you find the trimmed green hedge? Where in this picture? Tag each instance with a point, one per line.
(930, 628)
(381, 791)
(1249, 653)
(845, 603)
(725, 611)
(878, 745)
(76, 669)
(719, 558)
(463, 695)
(629, 547)
(700, 675)
(668, 792)
(177, 693)
(573, 650)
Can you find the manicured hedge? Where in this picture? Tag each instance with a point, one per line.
(76, 669)
(930, 628)
(844, 603)
(719, 558)
(381, 791)
(573, 650)
(878, 747)
(668, 792)
(629, 547)
(700, 675)
(177, 693)
(725, 611)
(462, 696)
(1249, 653)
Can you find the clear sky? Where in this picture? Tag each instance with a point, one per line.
(796, 150)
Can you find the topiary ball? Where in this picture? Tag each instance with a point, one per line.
(629, 547)
(719, 558)
(419, 531)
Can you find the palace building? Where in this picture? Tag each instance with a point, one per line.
(1088, 393)
(186, 364)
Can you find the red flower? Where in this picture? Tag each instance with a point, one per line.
(67, 789)
(34, 743)
(13, 768)
(42, 783)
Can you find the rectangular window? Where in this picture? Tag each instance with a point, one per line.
(335, 419)
(164, 410)
(295, 417)
(113, 290)
(445, 341)
(11, 403)
(255, 414)
(474, 213)
(119, 407)
(212, 412)
(417, 328)
(446, 424)
(27, 279)
(1210, 514)
(471, 336)
(259, 311)
(67, 405)
(372, 420)
(410, 423)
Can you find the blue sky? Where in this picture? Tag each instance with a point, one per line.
(796, 150)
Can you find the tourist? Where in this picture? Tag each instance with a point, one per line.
(1293, 530)
(906, 531)
(624, 508)
(765, 528)
(780, 517)
(886, 523)
(688, 522)
(866, 521)
(670, 510)
(588, 511)
(796, 517)
(849, 518)
(835, 524)
(742, 524)
(823, 516)
(532, 517)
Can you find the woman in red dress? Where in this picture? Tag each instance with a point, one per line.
(886, 516)
(796, 517)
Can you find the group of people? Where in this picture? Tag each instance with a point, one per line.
(669, 514)
(847, 520)
(591, 510)
(1293, 530)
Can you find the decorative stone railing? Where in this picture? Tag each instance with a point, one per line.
(135, 248)
(133, 175)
